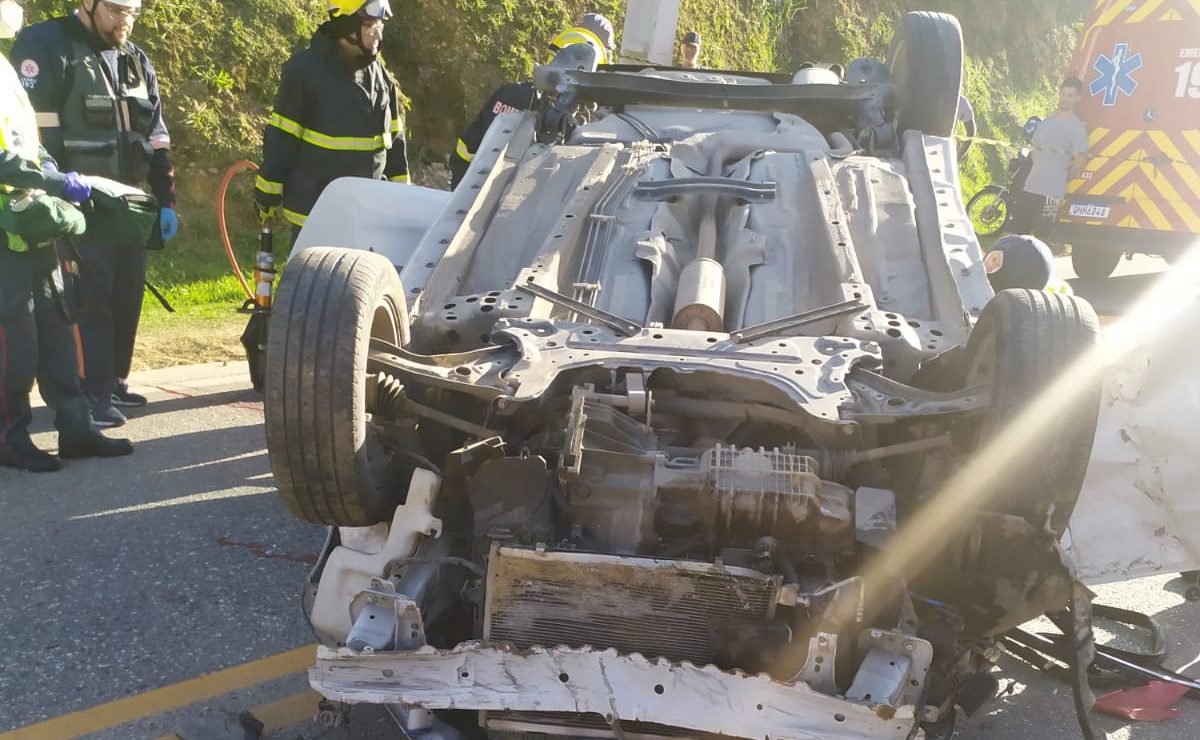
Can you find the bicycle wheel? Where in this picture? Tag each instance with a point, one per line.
(989, 210)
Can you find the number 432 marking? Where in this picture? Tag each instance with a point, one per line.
(1189, 80)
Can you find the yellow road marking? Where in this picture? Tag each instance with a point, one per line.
(167, 698)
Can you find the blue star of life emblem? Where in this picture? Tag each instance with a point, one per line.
(1116, 74)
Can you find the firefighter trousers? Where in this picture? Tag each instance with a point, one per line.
(36, 342)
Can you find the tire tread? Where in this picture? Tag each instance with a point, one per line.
(315, 384)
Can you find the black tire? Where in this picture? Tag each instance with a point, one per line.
(1023, 342)
(1094, 263)
(925, 61)
(989, 210)
(328, 466)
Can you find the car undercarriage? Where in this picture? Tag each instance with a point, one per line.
(622, 441)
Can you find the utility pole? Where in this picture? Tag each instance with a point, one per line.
(649, 34)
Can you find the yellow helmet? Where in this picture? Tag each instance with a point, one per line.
(579, 35)
(380, 9)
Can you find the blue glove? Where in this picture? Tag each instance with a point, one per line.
(76, 189)
(169, 222)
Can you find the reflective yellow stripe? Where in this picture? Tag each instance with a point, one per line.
(396, 126)
(268, 187)
(345, 143)
(1185, 171)
(48, 120)
(463, 152)
(399, 178)
(1144, 12)
(581, 36)
(287, 125)
(295, 218)
(335, 143)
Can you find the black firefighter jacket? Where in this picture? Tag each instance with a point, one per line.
(329, 121)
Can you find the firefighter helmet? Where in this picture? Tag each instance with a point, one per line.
(592, 29)
(379, 9)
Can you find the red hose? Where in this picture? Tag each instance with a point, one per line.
(233, 170)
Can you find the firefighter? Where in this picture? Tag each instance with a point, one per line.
(515, 97)
(35, 339)
(337, 114)
(99, 112)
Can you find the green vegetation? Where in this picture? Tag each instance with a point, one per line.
(218, 63)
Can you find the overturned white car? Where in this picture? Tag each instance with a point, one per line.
(663, 424)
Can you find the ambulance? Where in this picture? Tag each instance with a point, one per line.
(1140, 192)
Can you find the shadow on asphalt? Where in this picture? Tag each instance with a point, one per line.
(1115, 295)
(177, 401)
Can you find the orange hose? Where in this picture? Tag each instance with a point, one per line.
(227, 178)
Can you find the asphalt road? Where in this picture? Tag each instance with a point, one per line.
(128, 583)
(1113, 297)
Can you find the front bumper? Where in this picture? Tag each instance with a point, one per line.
(624, 688)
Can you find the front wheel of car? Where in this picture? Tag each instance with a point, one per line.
(328, 463)
(1039, 430)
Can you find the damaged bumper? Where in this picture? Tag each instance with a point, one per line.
(607, 684)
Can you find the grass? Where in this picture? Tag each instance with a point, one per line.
(194, 275)
(193, 335)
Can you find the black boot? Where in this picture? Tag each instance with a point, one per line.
(93, 444)
(31, 459)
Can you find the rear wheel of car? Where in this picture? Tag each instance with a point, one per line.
(925, 61)
(989, 210)
(1023, 343)
(1094, 263)
(328, 465)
